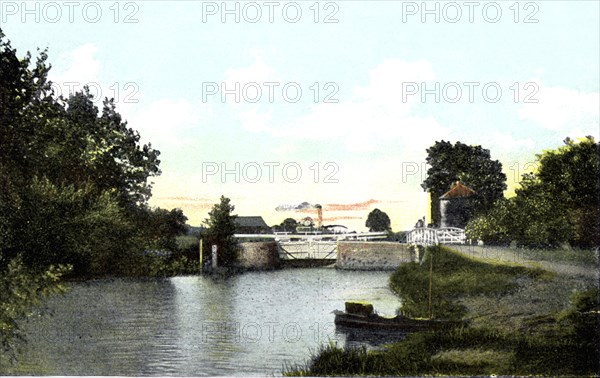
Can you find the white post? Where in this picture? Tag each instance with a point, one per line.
(214, 256)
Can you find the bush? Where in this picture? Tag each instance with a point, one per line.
(21, 290)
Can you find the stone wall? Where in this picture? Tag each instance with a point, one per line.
(372, 255)
(258, 255)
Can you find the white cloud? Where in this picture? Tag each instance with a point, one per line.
(387, 81)
(258, 72)
(509, 143)
(253, 120)
(82, 68)
(165, 121)
(376, 112)
(562, 109)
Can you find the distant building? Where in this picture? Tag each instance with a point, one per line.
(251, 225)
(336, 229)
(455, 206)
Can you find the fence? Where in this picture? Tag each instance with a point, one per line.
(432, 236)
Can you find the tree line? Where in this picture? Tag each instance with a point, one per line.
(74, 190)
(556, 205)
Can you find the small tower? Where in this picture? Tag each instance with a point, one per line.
(455, 206)
(319, 216)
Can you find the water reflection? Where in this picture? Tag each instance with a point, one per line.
(250, 324)
(371, 339)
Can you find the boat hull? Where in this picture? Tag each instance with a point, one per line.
(374, 321)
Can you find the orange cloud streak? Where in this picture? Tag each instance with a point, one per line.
(351, 206)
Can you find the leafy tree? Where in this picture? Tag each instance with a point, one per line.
(378, 221)
(20, 291)
(492, 227)
(72, 179)
(105, 151)
(288, 225)
(569, 176)
(557, 204)
(221, 227)
(160, 227)
(68, 141)
(529, 221)
(472, 166)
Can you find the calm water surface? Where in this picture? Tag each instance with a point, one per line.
(250, 324)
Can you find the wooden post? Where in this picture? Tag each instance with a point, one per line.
(430, 278)
(200, 252)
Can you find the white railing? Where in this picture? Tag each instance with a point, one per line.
(432, 236)
(290, 250)
(422, 236)
(451, 235)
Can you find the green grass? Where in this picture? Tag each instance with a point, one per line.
(571, 256)
(585, 257)
(454, 275)
(544, 341)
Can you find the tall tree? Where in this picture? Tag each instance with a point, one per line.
(378, 221)
(472, 166)
(220, 230)
(70, 180)
(556, 204)
(569, 177)
(71, 176)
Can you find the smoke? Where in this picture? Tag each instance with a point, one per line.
(351, 206)
(301, 206)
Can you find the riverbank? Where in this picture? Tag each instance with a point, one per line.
(524, 320)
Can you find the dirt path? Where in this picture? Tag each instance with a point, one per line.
(518, 256)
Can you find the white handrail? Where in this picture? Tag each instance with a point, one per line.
(432, 236)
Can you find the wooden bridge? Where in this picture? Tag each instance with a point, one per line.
(433, 236)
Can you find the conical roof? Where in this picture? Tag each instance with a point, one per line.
(458, 190)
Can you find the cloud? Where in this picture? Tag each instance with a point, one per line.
(258, 72)
(81, 67)
(375, 112)
(166, 121)
(562, 109)
(350, 206)
(253, 120)
(342, 217)
(301, 206)
(194, 208)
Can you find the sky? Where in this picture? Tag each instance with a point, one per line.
(276, 103)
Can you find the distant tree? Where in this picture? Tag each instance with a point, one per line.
(288, 225)
(378, 221)
(221, 227)
(472, 166)
(307, 222)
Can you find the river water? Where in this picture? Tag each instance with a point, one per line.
(251, 324)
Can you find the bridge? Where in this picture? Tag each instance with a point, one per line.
(311, 246)
(433, 236)
(324, 247)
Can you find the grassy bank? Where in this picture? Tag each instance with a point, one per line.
(522, 320)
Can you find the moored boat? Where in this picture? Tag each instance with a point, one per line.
(361, 315)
